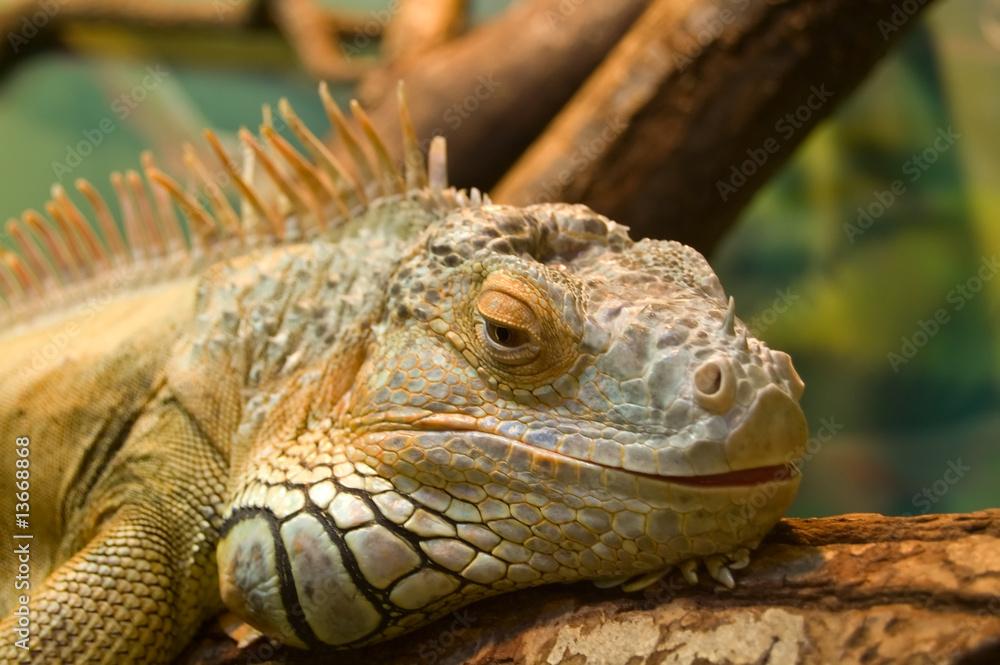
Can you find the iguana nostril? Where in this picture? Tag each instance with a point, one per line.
(715, 385)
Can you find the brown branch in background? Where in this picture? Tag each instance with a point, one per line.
(422, 25)
(152, 13)
(848, 589)
(696, 108)
(491, 91)
(312, 29)
(313, 33)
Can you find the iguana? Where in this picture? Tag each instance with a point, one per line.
(359, 402)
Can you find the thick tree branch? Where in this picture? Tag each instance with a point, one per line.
(703, 92)
(848, 589)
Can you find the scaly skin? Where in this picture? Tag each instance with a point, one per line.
(437, 401)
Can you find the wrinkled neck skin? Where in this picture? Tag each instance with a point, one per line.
(423, 465)
(278, 332)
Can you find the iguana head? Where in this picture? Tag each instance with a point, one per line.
(592, 401)
(541, 400)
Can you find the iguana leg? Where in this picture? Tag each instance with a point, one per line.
(141, 585)
(113, 602)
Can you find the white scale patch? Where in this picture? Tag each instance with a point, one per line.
(449, 553)
(393, 506)
(250, 578)
(284, 502)
(382, 556)
(485, 569)
(422, 588)
(427, 525)
(349, 511)
(337, 611)
(321, 494)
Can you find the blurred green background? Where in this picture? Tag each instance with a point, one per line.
(892, 319)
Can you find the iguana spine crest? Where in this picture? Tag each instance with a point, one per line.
(285, 197)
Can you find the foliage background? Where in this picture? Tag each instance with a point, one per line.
(901, 431)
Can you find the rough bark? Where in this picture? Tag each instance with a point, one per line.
(850, 589)
(696, 90)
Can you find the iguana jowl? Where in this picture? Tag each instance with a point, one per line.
(363, 401)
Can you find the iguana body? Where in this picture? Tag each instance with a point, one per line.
(428, 402)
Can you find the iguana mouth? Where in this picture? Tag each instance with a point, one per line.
(744, 477)
(749, 477)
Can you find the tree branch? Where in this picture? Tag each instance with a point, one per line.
(698, 105)
(848, 589)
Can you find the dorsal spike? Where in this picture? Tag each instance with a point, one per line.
(343, 183)
(729, 322)
(249, 195)
(369, 183)
(144, 211)
(318, 188)
(307, 202)
(165, 212)
(53, 243)
(30, 249)
(30, 282)
(220, 204)
(202, 224)
(135, 235)
(437, 164)
(286, 187)
(104, 217)
(413, 158)
(392, 181)
(97, 251)
(75, 245)
(13, 276)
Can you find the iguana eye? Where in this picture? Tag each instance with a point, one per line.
(510, 328)
(505, 336)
